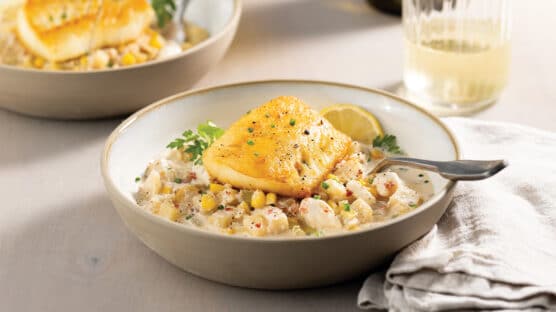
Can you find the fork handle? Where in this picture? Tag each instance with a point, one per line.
(452, 170)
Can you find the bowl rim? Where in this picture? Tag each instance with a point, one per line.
(232, 22)
(116, 194)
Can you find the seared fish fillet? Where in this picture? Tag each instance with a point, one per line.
(59, 30)
(283, 147)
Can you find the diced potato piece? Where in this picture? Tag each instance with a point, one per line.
(386, 183)
(208, 202)
(360, 192)
(318, 215)
(403, 199)
(277, 221)
(255, 225)
(152, 183)
(349, 219)
(168, 211)
(243, 205)
(363, 211)
(221, 218)
(335, 189)
(258, 200)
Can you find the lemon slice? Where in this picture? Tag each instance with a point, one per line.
(354, 121)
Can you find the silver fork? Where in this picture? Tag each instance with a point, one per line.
(175, 29)
(452, 170)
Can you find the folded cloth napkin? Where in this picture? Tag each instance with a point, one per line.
(495, 247)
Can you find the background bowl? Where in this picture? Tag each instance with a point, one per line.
(104, 93)
(269, 262)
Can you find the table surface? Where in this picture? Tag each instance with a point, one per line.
(62, 245)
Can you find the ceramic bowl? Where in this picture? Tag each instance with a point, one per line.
(271, 263)
(111, 92)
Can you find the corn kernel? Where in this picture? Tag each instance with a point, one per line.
(208, 202)
(376, 154)
(271, 199)
(38, 62)
(228, 231)
(258, 199)
(166, 189)
(215, 187)
(334, 206)
(155, 41)
(168, 211)
(84, 60)
(128, 59)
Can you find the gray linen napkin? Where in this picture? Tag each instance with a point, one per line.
(495, 248)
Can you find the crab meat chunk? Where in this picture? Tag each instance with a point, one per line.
(386, 183)
(318, 214)
(360, 192)
(403, 199)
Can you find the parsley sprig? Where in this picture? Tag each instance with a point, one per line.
(195, 143)
(164, 10)
(388, 143)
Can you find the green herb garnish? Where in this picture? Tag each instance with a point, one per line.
(316, 196)
(273, 126)
(412, 205)
(220, 207)
(164, 10)
(250, 142)
(250, 130)
(325, 185)
(196, 143)
(188, 217)
(177, 180)
(137, 179)
(388, 143)
(292, 122)
(347, 207)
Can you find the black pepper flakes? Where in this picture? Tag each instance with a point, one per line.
(306, 132)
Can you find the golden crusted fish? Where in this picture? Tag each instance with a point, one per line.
(59, 30)
(283, 146)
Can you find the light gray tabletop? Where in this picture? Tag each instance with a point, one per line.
(62, 245)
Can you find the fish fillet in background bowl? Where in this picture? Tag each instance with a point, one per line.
(86, 94)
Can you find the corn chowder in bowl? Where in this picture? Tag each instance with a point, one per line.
(281, 170)
(316, 247)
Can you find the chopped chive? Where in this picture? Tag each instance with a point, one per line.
(347, 207)
(64, 15)
(267, 115)
(292, 122)
(325, 185)
(371, 180)
(250, 142)
(412, 205)
(250, 130)
(420, 175)
(256, 154)
(220, 207)
(110, 63)
(177, 180)
(316, 196)
(426, 181)
(188, 217)
(137, 179)
(273, 126)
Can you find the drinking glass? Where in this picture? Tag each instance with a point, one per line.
(457, 53)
